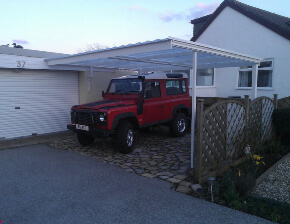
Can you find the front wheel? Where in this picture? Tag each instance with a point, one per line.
(178, 125)
(125, 138)
(85, 139)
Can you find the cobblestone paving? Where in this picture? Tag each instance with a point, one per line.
(156, 154)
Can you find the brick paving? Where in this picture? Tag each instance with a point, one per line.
(156, 155)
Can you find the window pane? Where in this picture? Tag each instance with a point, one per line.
(125, 86)
(174, 87)
(245, 79)
(264, 78)
(265, 64)
(205, 77)
(152, 89)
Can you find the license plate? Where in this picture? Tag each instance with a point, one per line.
(82, 127)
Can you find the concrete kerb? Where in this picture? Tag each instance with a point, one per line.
(33, 140)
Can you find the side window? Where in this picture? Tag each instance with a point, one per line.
(152, 90)
(175, 87)
(265, 71)
(205, 77)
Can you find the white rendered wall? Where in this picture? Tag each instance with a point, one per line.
(233, 31)
(99, 83)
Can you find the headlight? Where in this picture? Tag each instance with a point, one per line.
(102, 117)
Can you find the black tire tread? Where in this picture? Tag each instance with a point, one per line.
(173, 125)
(122, 137)
(85, 139)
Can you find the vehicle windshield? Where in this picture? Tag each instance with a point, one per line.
(125, 86)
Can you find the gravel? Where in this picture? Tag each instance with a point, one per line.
(277, 184)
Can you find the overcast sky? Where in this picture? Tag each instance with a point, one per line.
(67, 25)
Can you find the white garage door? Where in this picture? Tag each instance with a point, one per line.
(36, 102)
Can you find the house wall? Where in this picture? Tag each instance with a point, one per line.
(233, 31)
(99, 83)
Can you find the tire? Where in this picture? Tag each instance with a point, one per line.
(85, 139)
(178, 125)
(125, 137)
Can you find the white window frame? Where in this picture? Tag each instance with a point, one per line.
(259, 69)
(212, 86)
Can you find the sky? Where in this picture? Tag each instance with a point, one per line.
(66, 26)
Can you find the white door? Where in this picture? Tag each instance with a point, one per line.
(36, 102)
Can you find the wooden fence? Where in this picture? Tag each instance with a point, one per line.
(225, 128)
(284, 103)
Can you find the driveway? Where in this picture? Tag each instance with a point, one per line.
(40, 184)
(156, 154)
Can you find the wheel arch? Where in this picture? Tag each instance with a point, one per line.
(128, 116)
(180, 108)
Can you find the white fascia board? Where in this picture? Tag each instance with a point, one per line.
(80, 68)
(212, 50)
(121, 51)
(225, 64)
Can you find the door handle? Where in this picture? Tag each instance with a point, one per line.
(161, 107)
(17, 108)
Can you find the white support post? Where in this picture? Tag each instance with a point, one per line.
(193, 106)
(89, 79)
(139, 71)
(254, 81)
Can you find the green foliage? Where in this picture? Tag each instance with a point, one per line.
(274, 147)
(246, 183)
(233, 188)
(230, 190)
(281, 120)
(269, 209)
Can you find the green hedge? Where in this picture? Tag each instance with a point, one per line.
(270, 209)
(281, 120)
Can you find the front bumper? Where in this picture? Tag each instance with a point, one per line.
(95, 132)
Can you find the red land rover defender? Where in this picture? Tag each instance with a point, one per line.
(131, 103)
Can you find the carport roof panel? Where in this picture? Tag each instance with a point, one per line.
(158, 55)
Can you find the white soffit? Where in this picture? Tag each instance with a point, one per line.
(159, 55)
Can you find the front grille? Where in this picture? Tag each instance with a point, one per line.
(88, 118)
(84, 118)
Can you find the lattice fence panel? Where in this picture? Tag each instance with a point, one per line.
(284, 103)
(235, 129)
(225, 126)
(267, 111)
(260, 120)
(223, 134)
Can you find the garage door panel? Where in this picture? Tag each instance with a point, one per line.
(44, 98)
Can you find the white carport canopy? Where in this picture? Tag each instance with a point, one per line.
(164, 55)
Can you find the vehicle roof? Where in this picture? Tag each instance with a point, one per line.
(177, 75)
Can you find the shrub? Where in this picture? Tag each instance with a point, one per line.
(274, 147)
(281, 120)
